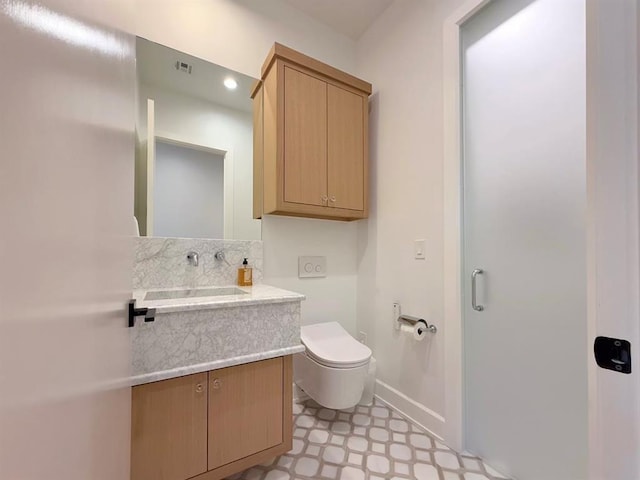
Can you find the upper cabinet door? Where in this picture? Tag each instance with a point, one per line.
(346, 149)
(305, 138)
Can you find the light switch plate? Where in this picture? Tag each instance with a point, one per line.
(419, 249)
(312, 267)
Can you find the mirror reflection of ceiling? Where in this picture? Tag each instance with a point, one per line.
(157, 66)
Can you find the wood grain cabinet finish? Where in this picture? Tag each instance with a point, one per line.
(346, 154)
(310, 139)
(245, 405)
(214, 424)
(305, 139)
(169, 429)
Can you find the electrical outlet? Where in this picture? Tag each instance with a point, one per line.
(362, 337)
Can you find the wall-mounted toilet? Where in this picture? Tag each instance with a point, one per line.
(333, 369)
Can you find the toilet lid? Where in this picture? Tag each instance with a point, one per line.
(332, 346)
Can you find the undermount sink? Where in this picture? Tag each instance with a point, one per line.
(193, 293)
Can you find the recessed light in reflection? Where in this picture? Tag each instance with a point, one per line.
(230, 83)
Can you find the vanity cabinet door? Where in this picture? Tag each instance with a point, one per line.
(169, 429)
(246, 405)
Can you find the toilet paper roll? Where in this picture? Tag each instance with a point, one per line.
(417, 331)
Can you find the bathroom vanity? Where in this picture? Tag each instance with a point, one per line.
(212, 378)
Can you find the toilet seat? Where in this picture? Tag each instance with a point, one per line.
(331, 346)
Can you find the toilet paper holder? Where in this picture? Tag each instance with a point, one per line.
(410, 320)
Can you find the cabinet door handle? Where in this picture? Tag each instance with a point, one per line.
(324, 199)
(199, 388)
(216, 384)
(333, 199)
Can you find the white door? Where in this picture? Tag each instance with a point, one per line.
(66, 192)
(525, 237)
(613, 272)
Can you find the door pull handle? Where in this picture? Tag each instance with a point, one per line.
(474, 303)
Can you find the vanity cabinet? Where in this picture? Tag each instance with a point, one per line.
(211, 425)
(310, 139)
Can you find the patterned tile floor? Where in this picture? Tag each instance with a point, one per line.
(365, 443)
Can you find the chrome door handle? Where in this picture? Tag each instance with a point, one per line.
(474, 305)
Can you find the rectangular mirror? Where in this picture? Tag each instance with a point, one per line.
(194, 152)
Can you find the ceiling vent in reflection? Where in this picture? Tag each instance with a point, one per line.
(183, 67)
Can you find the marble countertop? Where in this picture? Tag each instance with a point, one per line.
(255, 295)
(213, 365)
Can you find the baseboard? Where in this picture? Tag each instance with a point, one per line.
(398, 401)
(412, 410)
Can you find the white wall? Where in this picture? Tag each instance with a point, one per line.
(189, 193)
(328, 299)
(198, 122)
(238, 34)
(401, 54)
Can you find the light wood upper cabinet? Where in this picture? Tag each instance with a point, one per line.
(169, 429)
(311, 127)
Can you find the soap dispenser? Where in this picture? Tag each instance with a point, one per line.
(245, 274)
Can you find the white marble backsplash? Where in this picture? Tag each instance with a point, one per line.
(162, 262)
